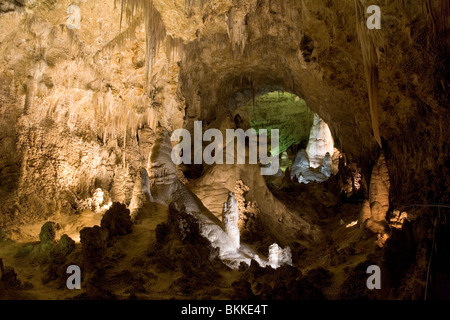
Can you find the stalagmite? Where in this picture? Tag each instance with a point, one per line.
(326, 165)
(378, 199)
(379, 190)
(230, 219)
(320, 142)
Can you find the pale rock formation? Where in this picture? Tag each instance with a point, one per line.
(98, 203)
(230, 219)
(320, 142)
(279, 256)
(305, 173)
(300, 164)
(326, 166)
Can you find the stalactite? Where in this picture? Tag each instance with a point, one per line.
(120, 39)
(370, 60)
(237, 31)
(155, 31)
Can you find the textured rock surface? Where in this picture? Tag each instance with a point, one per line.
(279, 256)
(303, 171)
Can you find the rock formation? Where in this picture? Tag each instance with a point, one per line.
(230, 219)
(320, 142)
(279, 256)
(167, 188)
(378, 197)
(303, 171)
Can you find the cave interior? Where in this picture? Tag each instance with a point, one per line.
(343, 162)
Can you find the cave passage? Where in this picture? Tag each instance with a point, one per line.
(306, 145)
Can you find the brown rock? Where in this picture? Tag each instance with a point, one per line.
(379, 190)
(117, 220)
(93, 244)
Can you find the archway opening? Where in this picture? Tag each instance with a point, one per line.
(306, 145)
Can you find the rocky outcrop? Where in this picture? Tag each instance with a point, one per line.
(47, 234)
(117, 221)
(93, 243)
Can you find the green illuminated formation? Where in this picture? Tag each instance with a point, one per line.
(283, 111)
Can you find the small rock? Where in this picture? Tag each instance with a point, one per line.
(117, 220)
(47, 233)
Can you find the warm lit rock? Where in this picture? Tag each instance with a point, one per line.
(379, 190)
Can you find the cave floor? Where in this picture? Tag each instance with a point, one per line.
(131, 272)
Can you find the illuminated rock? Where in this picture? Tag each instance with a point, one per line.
(300, 165)
(230, 219)
(320, 142)
(279, 256)
(304, 173)
(379, 190)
